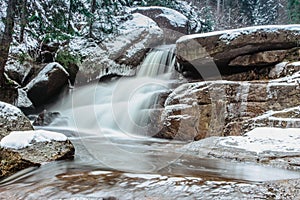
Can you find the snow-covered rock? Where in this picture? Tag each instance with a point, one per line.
(12, 119)
(120, 53)
(48, 83)
(232, 50)
(171, 21)
(267, 145)
(23, 101)
(23, 149)
(23, 139)
(17, 71)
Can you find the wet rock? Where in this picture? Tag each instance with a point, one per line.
(47, 84)
(222, 108)
(12, 119)
(9, 94)
(252, 46)
(16, 154)
(46, 118)
(173, 23)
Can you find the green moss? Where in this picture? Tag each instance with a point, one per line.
(65, 58)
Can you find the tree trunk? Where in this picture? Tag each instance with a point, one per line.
(70, 16)
(7, 38)
(23, 20)
(93, 8)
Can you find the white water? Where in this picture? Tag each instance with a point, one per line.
(122, 107)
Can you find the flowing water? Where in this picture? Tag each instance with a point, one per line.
(109, 125)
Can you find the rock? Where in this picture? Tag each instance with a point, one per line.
(23, 101)
(136, 37)
(259, 59)
(46, 118)
(9, 94)
(47, 84)
(277, 147)
(221, 108)
(120, 53)
(12, 119)
(173, 23)
(25, 149)
(17, 71)
(231, 49)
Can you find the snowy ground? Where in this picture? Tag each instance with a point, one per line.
(266, 139)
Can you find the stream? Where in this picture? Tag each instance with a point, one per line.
(115, 158)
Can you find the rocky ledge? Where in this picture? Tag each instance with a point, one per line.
(237, 50)
(22, 147)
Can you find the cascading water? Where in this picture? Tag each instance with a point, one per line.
(122, 106)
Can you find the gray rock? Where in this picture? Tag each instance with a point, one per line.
(48, 83)
(12, 119)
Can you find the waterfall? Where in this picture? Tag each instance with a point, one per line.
(125, 105)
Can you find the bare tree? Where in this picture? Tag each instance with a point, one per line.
(91, 22)
(7, 37)
(23, 19)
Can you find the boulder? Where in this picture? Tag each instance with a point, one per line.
(47, 84)
(232, 50)
(23, 149)
(120, 53)
(173, 23)
(222, 108)
(12, 119)
(17, 71)
(277, 147)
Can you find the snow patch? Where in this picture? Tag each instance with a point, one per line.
(266, 139)
(23, 139)
(23, 101)
(9, 111)
(228, 35)
(176, 18)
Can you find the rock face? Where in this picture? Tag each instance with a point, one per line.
(49, 82)
(233, 51)
(173, 23)
(223, 108)
(12, 119)
(21, 150)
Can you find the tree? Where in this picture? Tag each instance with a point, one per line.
(23, 19)
(7, 37)
(91, 20)
(294, 11)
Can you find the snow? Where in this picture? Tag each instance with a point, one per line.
(23, 139)
(9, 111)
(228, 35)
(266, 139)
(43, 74)
(23, 101)
(176, 18)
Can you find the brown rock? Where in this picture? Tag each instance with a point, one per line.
(220, 48)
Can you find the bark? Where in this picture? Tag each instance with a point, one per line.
(93, 8)
(7, 38)
(70, 16)
(23, 19)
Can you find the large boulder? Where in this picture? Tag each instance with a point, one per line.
(173, 23)
(23, 149)
(235, 50)
(222, 108)
(12, 119)
(120, 53)
(47, 84)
